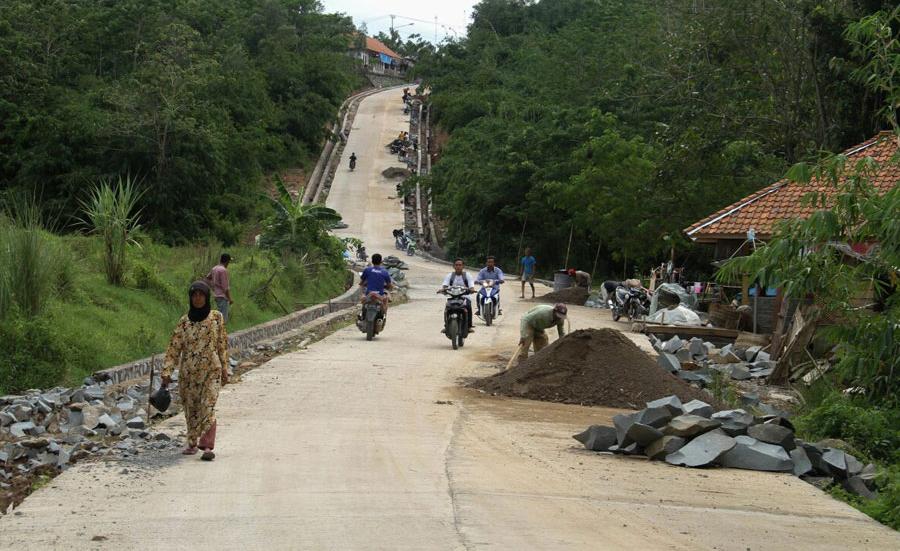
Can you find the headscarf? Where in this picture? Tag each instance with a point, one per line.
(198, 314)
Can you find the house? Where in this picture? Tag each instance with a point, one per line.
(760, 213)
(736, 229)
(378, 58)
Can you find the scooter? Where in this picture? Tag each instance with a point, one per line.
(371, 320)
(489, 300)
(456, 318)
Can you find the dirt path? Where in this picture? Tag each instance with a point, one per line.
(356, 445)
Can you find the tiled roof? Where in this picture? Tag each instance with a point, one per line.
(782, 200)
(379, 47)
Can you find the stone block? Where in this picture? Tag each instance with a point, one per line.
(749, 453)
(836, 460)
(673, 345)
(20, 429)
(669, 362)
(684, 355)
(672, 403)
(135, 423)
(656, 417)
(688, 426)
(664, 446)
(739, 372)
(802, 464)
(734, 421)
(698, 407)
(703, 450)
(857, 486)
(773, 434)
(696, 348)
(105, 421)
(596, 438)
(750, 353)
(643, 435)
(622, 421)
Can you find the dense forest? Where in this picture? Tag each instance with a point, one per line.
(623, 122)
(195, 100)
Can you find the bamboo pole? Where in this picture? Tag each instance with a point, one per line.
(596, 258)
(569, 247)
(521, 241)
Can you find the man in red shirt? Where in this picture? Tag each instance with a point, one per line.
(218, 280)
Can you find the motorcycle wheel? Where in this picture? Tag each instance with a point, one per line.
(632, 312)
(370, 330)
(453, 333)
(616, 313)
(488, 314)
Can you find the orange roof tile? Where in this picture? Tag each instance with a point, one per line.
(379, 47)
(763, 210)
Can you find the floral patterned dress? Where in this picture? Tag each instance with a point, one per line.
(199, 351)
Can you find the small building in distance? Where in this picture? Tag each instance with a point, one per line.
(376, 57)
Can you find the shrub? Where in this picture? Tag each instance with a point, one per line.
(147, 279)
(28, 263)
(111, 213)
(873, 431)
(31, 355)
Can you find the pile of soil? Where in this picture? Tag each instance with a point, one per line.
(571, 295)
(593, 367)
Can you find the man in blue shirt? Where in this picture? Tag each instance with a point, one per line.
(528, 262)
(491, 271)
(376, 279)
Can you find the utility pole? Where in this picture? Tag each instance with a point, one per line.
(435, 30)
(392, 24)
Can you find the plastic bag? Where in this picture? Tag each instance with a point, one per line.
(686, 299)
(680, 315)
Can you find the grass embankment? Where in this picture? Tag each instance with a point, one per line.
(88, 324)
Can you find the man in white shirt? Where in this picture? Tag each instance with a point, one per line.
(459, 277)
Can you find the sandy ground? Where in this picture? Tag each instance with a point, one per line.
(373, 445)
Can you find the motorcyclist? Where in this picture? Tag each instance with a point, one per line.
(490, 272)
(352, 161)
(459, 277)
(376, 279)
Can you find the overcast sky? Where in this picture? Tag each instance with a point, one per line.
(453, 15)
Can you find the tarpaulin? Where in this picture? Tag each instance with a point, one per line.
(386, 59)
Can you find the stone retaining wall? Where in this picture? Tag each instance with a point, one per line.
(239, 342)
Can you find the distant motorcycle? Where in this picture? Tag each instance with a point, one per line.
(456, 317)
(488, 300)
(361, 254)
(630, 301)
(371, 319)
(352, 164)
(411, 248)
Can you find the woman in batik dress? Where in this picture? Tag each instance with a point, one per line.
(199, 351)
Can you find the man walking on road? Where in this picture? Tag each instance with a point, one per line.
(218, 280)
(528, 262)
(535, 322)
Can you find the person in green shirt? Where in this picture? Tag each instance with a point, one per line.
(535, 322)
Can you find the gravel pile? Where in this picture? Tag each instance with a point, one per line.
(596, 367)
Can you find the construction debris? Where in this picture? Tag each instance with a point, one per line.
(731, 438)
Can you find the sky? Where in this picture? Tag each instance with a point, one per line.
(453, 15)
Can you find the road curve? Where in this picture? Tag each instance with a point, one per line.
(372, 445)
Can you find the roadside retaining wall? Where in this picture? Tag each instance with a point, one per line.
(239, 342)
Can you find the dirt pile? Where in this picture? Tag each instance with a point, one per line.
(595, 367)
(571, 295)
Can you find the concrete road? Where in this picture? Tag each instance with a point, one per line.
(373, 445)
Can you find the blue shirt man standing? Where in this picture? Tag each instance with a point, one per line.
(528, 263)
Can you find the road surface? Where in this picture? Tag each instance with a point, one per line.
(373, 445)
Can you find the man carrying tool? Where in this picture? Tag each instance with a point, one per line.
(534, 322)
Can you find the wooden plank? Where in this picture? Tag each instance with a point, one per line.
(780, 320)
(689, 330)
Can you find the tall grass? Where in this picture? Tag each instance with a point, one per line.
(112, 214)
(29, 261)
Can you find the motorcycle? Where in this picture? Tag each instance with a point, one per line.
(352, 164)
(632, 302)
(456, 317)
(488, 300)
(401, 241)
(411, 248)
(371, 320)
